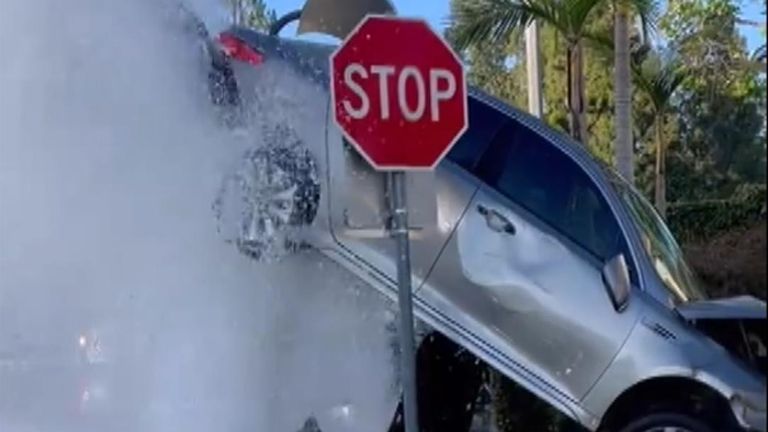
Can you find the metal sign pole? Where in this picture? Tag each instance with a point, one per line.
(390, 140)
(407, 346)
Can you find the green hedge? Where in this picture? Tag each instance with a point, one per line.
(706, 219)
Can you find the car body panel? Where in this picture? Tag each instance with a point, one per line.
(652, 350)
(664, 346)
(531, 288)
(308, 59)
(368, 239)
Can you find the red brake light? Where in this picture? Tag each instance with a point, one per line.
(239, 50)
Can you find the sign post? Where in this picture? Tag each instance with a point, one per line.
(399, 97)
(407, 348)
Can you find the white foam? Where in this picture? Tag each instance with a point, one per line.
(109, 162)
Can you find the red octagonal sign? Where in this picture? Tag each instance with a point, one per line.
(399, 93)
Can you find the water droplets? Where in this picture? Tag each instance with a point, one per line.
(264, 203)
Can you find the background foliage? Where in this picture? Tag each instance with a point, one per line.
(716, 129)
(702, 220)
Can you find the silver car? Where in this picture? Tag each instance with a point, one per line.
(527, 252)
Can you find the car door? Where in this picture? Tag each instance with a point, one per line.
(453, 191)
(522, 272)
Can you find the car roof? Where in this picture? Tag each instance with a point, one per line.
(311, 59)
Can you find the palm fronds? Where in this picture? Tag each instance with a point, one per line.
(659, 79)
(493, 21)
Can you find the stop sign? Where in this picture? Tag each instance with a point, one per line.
(399, 93)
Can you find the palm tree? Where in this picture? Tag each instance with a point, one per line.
(237, 11)
(648, 13)
(259, 16)
(494, 21)
(659, 79)
(622, 87)
(252, 13)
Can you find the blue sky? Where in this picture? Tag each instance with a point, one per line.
(751, 10)
(436, 11)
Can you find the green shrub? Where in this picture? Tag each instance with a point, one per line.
(706, 219)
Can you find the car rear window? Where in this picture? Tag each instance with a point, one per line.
(484, 122)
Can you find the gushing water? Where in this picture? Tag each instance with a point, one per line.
(121, 308)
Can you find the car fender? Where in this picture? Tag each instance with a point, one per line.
(664, 347)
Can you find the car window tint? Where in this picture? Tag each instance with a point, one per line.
(540, 178)
(484, 122)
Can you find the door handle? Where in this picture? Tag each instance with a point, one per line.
(496, 221)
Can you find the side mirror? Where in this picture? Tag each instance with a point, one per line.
(616, 281)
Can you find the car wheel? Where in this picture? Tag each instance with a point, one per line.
(262, 207)
(666, 422)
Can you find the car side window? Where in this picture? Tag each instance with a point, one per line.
(542, 179)
(484, 122)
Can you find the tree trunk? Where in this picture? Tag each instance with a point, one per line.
(623, 147)
(576, 99)
(582, 83)
(533, 69)
(572, 122)
(237, 12)
(661, 167)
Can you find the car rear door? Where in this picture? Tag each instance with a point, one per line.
(522, 272)
(453, 189)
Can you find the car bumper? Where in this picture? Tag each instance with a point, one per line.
(750, 412)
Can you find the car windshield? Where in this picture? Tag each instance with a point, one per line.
(660, 245)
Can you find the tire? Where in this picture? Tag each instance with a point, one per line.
(262, 207)
(668, 421)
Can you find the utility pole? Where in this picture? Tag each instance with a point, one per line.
(533, 61)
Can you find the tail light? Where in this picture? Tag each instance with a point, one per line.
(237, 49)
